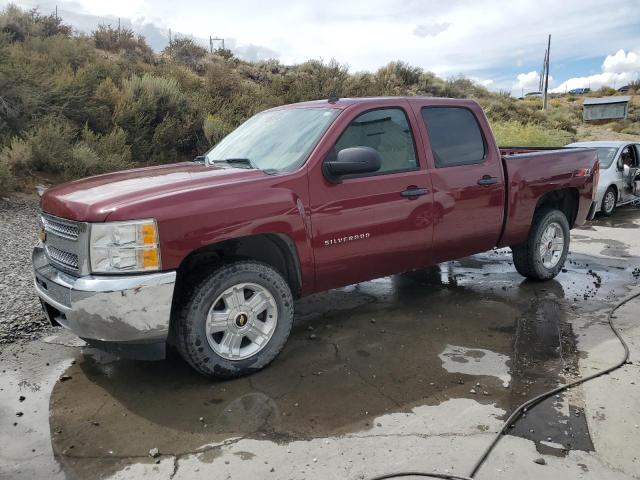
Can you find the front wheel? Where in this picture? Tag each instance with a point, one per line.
(235, 321)
(609, 202)
(543, 255)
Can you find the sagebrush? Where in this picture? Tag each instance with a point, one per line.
(73, 105)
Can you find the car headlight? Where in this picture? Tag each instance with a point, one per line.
(118, 247)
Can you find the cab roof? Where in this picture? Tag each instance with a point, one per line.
(342, 103)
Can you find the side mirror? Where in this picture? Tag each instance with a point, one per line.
(350, 161)
(620, 164)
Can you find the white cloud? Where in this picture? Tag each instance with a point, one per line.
(527, 81)
(487, 82)
(617, 70)
(621, 62)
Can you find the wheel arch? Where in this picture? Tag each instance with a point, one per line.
(565, 199)
(274, 249)
(615, 189)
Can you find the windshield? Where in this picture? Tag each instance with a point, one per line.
(606, 155)
(275, 140)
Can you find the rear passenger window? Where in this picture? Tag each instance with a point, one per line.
(455, 136)
(387, 131)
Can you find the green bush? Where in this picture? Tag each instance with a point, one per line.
(94, 154)
(215, 129)
(185, 51)
(7, 177)
(21, 25)
(48, 147)
(74, 105)
(17, 155)
(513, 133)
(122, 40)
(153, 111)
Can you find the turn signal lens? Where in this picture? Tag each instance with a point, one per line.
(150, 258)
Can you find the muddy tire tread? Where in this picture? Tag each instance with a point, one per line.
(524, 255)
(190, 340)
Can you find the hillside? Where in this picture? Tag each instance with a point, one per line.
(74, 105)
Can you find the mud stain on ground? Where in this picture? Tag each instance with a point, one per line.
(400, 343)
(625, 217)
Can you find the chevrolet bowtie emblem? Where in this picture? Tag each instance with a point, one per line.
(241, 320)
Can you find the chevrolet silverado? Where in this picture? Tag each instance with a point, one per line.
(210, 255)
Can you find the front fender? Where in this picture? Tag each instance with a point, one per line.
(194, 220)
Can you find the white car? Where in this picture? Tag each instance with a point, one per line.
(613, 188)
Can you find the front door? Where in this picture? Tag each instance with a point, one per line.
(376, 224)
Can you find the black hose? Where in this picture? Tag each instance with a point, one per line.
(515, 415)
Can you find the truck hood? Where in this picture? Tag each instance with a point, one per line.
(93, 199)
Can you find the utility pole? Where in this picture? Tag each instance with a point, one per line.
(118, 29)
(170, 52)
(541, 79)
(546, 74)
(56, 12)
(210, 44)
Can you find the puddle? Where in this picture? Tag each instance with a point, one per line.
(399, 347)
(624, 217)
(26, 382)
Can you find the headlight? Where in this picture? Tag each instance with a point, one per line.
(124, 247)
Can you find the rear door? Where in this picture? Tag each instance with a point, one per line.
(467, 178)
(372, 225)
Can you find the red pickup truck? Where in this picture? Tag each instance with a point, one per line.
(210, 255)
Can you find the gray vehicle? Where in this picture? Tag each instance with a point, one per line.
(619, 167)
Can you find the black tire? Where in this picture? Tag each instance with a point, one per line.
(191, 339)
(527, 258)
(608, 212)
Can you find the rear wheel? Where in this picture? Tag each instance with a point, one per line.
(609, 202)
(235, 321)
(543, 255)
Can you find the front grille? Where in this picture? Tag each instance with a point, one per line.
(69, 260)
(66, 243)
(60, 228)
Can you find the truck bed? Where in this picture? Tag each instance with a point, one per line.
(531, 172)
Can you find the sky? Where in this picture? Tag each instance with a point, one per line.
(496, 43)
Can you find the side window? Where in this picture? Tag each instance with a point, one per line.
(455, 136)
(387, 131)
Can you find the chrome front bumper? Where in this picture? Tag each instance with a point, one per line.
(123, 309)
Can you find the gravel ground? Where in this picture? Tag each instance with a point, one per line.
(20, 314)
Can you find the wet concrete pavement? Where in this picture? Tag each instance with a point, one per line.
(413, 371)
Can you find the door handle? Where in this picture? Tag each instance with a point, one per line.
(414, 192)
(487, 180)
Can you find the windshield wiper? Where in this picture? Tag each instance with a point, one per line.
(200, 159)
(236, 161)
(244, 161)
